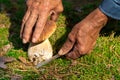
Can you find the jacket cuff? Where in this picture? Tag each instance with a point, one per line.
(111, 8)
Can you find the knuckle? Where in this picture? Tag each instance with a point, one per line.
(35, 5)
(39, 27)
(29, 2)
(46, 8)
(61, 9)
(61, 6)
(70, 37)
(36, 35)
(26, 35)
(82, 51)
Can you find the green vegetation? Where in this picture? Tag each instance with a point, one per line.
(102, 64)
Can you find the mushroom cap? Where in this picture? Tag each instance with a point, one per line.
(48, 30)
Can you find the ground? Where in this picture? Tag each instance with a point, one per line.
(102, 64)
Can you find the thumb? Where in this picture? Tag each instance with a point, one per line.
(74, 54)
(55, 12)
(54, 15)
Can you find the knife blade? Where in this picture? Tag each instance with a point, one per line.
(47, 61)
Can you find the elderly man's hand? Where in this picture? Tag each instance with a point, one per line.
(82, 38)
(36, 16)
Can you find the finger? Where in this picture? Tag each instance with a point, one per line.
(25, 18)
(27, 14)
(39, 26)
(54, 16)
(59, 8)
(73, 54)
(68, 45)
(21, 31)
(29, 26)
(78, 50)
(29, 2)
(56, 12)
(81, 48)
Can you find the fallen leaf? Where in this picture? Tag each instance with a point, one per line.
(2, 65)
(4, 60)
(5, 49)
(25, 61)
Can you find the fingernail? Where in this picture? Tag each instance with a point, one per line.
(24, 41)
(33, 40)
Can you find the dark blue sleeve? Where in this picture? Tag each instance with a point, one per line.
(111, 8)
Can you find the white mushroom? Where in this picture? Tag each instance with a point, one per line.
(41, 51)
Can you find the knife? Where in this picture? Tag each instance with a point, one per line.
(47, 61)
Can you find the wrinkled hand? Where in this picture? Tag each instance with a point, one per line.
(82, 38)
(36, 16)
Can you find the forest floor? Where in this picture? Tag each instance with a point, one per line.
(102, 64)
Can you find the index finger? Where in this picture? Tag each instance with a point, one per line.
(68, 45)
(40, 25)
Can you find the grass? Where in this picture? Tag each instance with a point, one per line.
(102, 64)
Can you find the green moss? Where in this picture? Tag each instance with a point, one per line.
(4, 20)
(102, 64)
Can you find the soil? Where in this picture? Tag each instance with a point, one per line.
(80, 3)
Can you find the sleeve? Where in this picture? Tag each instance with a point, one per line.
(111, 8)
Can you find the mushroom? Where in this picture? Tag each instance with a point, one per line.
(42, 50)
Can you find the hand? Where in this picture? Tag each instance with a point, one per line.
(36, 16)
(82, 38)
